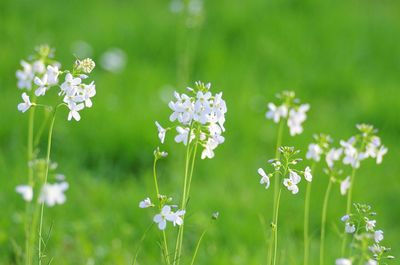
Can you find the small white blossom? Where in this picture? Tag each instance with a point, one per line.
(332, 156)
(380, 153)
(343, 261)
(345, 218)
(87, 92)
(26, 192)
(292, 181)
(307, 174)
(264, 178)
(345, 185)
(43, 85)
(74, 111)
(296, 118)
(350, 228)
(176, 217)
(52, 194)
(38, 67)
(378, 236)
(161, 132)
(183, 135)
(314, 152)
(370, 225)
(351, 155)
(161, 218)
(23, 107)
(25, 76)
(275, 113)
(52, 74)
(146, 203)
(70, 85)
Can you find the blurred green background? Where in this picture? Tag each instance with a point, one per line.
(342, 57)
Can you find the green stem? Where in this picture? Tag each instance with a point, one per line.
(307, 220)
(198, 246)
(180, 229)
(276, 226)
(276, 189)
(323, 221)
(348, 205)
(165, 242)
(28, 229)
(49, 140)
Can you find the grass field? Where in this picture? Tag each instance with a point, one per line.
(342, 57)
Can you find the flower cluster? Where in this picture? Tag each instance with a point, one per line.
(284, 168)
(363, 145)
(42, 73)
(367, 239)
(289, 109)
(166, 213)
(200, 117)
(49, 194)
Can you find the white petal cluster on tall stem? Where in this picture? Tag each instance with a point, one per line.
(289, 109)
(314, 152)
(364, 145)
(264, 178)
(200, 116)
(26, 192)
(43, 73)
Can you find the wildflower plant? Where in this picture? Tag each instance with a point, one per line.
(199, 118)
(366, 247)
(40, 76)
(285, 169)
(291, 112)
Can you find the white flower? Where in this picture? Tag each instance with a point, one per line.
(345, 218)
(25, 76)
(296, 118)
(52, 74)
(376, 249)
(161, 132)
(343, 261)
(74, 111)
(370, 225)
(23, 107)
(371, 262)
(209, 147)
(53, 194)
(42, 83)
(26, 192)
(378, 236)
(307, 174)
(70, 85)
(176, 217)
(183, 109)
(146, 203)
(351, 156)
(183, 135)
(88, 92)
(350, 228)
(38, 67)
(264, 178)
(276, 112)
(292, 181)
(161, 218)
(345, 185)
(314, 152)
(332, 156)
(380, 153)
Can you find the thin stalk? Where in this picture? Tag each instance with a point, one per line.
(198, 246)
(165, 242)
(276, 226)
(323, 221)
(307, 220)
(49, 140)
(180, 230)
(348, 205)
(28, 229)
(276, 189)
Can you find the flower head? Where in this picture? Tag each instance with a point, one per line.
(52, 194)
(345, 185)
(291, 182)
(146, 203)
(26, 192)
(161, 132)
(23, 107)
(307, 174)
(264, 178)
